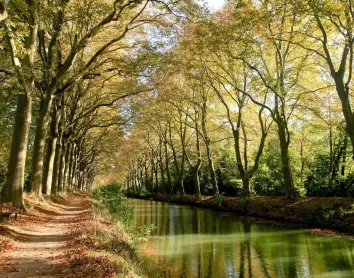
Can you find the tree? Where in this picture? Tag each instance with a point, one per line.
(13, 188)
(329, 36)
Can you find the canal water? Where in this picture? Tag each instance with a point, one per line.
(193, 242)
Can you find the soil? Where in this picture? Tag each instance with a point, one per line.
(39, 238)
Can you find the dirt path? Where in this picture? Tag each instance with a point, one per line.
(40, 239)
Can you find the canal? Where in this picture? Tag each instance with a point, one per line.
(193, 242)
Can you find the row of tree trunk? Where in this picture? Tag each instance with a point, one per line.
(59, 159)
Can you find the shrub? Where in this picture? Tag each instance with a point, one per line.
(218, 200)
(111, 196)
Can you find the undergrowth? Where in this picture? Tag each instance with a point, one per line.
(111, 199)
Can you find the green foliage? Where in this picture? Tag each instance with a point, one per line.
(327, 214)
(7, 107)
(316, 183)
(325, 181)
(228, 178)
(113, 199)
(27, 182)
(243, 204)
(231, 187)
(188, 182)
(140, 192)
(145, 231)
(29, 206)
(218, 200)
(268, 181)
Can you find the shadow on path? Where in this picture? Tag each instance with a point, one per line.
(40, 240)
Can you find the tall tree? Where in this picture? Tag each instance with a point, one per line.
(24, 66)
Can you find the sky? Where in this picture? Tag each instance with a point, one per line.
(215, 4)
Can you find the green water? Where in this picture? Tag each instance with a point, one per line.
(192, 242)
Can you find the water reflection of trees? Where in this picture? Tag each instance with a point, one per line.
(201, 243)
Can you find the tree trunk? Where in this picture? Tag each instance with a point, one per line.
(127, 183)
(72, 167)
(179, 174)
(246, 188)
(62, 169)
(152, 175)
(13, 188)
(213, 179)
(50, 154)
(56, 168)
(196, 168)
(63, 140)
(79, 181)
(146, 174)
(48, 151)
(287, 175)
(38, 147)
(156, 172)
(344, 94)
(344, 161)
(169, 179)
(162, 177)
(131, 181)
(67, 166)
(84, 183)
(181, 185)
(243, 174)
(48, 169)
(196, 180)
(141, 177)
(163, 182)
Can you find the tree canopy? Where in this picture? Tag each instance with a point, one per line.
(167, 96)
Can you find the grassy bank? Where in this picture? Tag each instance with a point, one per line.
(104, 245)
(334, 213)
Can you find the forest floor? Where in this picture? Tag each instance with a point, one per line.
(333, 213)
(36, 243)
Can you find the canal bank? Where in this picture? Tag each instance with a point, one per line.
(333, 213)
